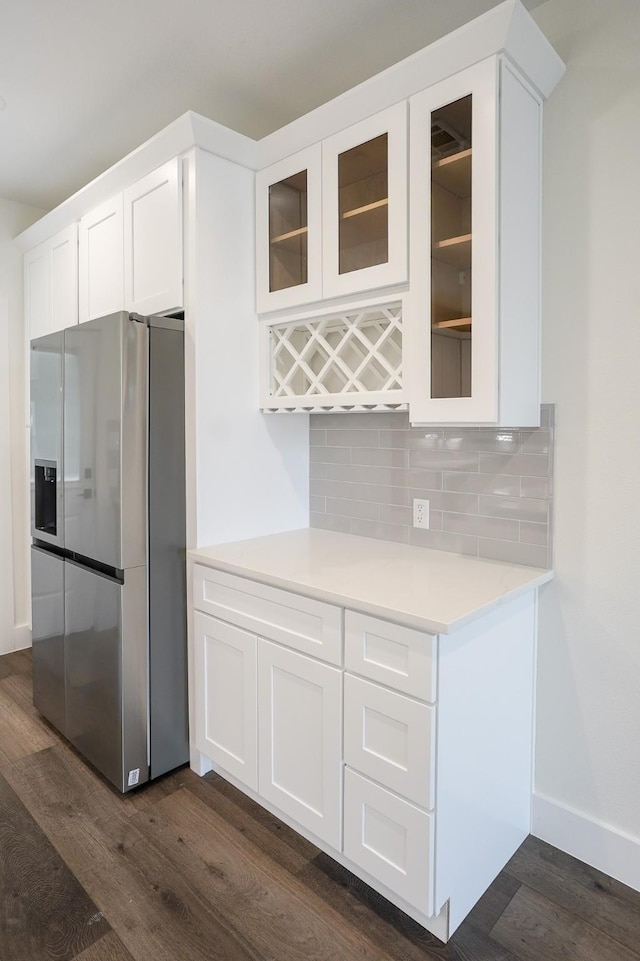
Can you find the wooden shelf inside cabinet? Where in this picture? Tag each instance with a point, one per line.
(290, 235)
(454, 250)
(364, 224)
(455, 327)
(365, 209)
(454, 173)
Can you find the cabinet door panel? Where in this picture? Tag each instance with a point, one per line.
(453, 355)
(288, 232)
(51, 284)
(101, 261)
(153, 241)
(64, 278)
(364, 198)
(226, 697)
(389, 838)
(300, 717)
(37, 295)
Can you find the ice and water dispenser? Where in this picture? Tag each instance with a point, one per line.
(46, 514)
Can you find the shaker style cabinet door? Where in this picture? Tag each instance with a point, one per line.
(300, 722)
(288, 232)
(101, 261)
(63, 252)
(364, 204)
(153, 241)
(225, 697)
(37, 292)
(51, 284)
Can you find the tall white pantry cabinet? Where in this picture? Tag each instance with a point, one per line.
(379, 253)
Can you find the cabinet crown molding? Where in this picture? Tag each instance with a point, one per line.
(506, 29)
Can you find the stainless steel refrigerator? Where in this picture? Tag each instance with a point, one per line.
(108, 549)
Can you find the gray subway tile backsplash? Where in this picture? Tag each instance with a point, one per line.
(489, 489)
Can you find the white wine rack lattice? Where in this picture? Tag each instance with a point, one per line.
(356, 353)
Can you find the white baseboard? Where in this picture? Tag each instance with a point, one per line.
(16, 641)
(21, 637)
(603, 847)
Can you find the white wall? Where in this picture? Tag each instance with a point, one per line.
(588, 730)
(14, 577)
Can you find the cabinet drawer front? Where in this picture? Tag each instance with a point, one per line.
(226, 697)
(299, 622)
(390, 839)
(300, 716)
(398, 656)
(391, 738)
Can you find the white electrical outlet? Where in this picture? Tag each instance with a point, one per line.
(420, 513)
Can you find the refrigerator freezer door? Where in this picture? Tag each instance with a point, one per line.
(106, 670)
(105, 440)
(47, 617)
(46, 467)
(168, 709)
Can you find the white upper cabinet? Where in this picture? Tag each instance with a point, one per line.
(131, 248)
(289, 232)
(472, 314)
(332, 219)
(101, 265)
(364, 202)
(153, 242)
(51, 283)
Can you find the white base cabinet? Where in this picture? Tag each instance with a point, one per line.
(405, 756)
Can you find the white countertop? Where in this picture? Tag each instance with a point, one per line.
(426, 589)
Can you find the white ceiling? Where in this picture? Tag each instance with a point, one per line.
(87, 81)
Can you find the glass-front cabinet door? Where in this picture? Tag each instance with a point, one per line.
(288, 230)
(364, 202)
(454, 248)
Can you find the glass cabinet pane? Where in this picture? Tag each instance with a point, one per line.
(451, 320)
(363, 209)
(288, 232)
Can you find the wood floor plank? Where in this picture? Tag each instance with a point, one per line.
(396, 933)
(535, 928)
(45, 913)
(156, 914)
(190, 869)
(20, 688)
(606, 904)
(345, 892)
(264, 902)
(17, 662)
(20, 732)
(472, 940)
(108, 948)
(270, 835)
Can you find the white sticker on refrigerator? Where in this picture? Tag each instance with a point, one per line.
(134, 777)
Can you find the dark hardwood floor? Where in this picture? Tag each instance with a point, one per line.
(189, 869)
